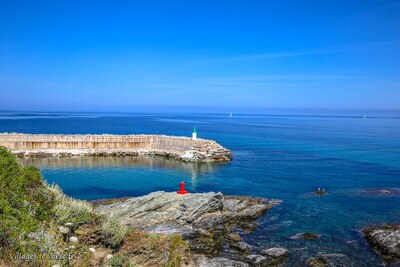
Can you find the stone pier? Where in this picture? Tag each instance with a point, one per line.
(46, 145)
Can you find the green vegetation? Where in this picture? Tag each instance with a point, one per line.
(25, 202)
(30, 213)
(38, 220)
(176, 246)
(69, 210)
(117, 261)
(113, 233)
(152, 240)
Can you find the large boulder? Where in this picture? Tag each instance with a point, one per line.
(203, 261)
(206, 220)
(385, 239)
(160, 207)
(275, 253)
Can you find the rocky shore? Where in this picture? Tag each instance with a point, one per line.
(190, 155)
(209, 222)
(385, 240)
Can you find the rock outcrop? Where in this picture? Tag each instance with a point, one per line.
(327, 259)
(275, 253)
(385, 239)
(59, 145)
(203, 261)
(207, 221)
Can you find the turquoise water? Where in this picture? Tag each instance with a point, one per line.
(283, 157)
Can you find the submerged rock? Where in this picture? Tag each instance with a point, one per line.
(319, 261)
(328, 259)
(306, 236)
(380, 192)
(385, 239)
(205, 220)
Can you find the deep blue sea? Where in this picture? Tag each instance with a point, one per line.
(282, 157)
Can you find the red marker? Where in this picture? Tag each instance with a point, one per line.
(182, 190)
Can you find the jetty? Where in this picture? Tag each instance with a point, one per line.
(67, 145)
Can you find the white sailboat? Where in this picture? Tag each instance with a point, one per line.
(230, 114)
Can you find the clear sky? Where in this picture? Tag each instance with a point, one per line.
(120, 55)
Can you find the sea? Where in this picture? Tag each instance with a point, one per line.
(356, 159)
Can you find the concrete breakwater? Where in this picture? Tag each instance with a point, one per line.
(181, 148)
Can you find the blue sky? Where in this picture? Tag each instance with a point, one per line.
(121, 55)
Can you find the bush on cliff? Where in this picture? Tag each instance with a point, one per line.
(24, 200)
(113, 233)
(30, 213)
(70, 210)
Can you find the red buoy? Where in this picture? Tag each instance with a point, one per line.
(182, 190)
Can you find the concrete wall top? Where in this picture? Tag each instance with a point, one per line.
(91, 141)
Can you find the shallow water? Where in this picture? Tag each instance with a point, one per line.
(284, 157)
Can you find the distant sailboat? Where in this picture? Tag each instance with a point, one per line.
(365, 117)
(230, 114)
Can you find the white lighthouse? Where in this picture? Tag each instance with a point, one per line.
(194, 134)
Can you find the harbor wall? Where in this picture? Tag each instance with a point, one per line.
(106, 141)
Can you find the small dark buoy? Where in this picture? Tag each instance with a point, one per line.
(182, 190)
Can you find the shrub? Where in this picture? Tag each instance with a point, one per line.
(152, 240)
(24, 200)
(117, 260)
(131, 263)
(113, 233)
(176, 251)
(70, 210)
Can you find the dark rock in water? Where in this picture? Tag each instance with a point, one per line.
(258, 260)
(306, 236)
(203, 261)
(205, 220)
(275, 253)
(380, 192)
(319, 261)
(240, 246)
(328, 259)
(385, 239)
